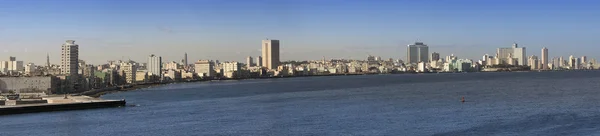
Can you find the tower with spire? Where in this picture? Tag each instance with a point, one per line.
(48, 60)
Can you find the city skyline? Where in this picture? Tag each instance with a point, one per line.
(310, 29)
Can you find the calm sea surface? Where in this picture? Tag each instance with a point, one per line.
(533, 103)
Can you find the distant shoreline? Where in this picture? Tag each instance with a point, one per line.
(125, 88)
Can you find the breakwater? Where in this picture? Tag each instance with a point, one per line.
(33, 108)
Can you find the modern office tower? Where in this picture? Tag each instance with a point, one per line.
(544, 58)
(270, 53)
(417, 52)
(259, 61)
(249, 62)
(518, 53)
(70, 58)
(185, 60)
(435, 56)
(205, 68)
(533, 62)
(155, 66)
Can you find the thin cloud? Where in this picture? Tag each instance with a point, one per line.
(165, 29)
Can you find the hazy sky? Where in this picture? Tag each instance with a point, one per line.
(308, 29)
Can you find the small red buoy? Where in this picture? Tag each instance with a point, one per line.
(462, 99)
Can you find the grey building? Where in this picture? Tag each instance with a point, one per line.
(41, 84)
(417, 52)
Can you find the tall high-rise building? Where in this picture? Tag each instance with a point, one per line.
(544, 58)
(519, 54)
(185, 60)
(259, 61)
(249, 62)
(417, 52)
(572, 62)
(435, 56)
(270, 53)
(155, 66)
(70, 59)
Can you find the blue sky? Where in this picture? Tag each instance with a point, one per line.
(308, 29)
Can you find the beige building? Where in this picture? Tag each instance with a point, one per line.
(70, 58)
(270, 54)
(205, 68)
(141, 76)
(544, 62)
(129, 71)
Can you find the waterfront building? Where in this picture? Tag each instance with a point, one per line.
(270, 54)
(233, 69)
(435, 56)
(417, 52)
(70, 59)
(259, 61)
(544, 62)
(173, 75)
(249, 62)
(519, 54)
(584, 60)
(534, 62)
(205, 68)
(171, 65)
(463, 65)
(141, 76)
(155, 66)
(572, 62)
(422, 67)
(129, 71)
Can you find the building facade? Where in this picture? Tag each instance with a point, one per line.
(155, 66)
(205, 68)
(270, 54)
(39, 84)
(518, 53)
(544, 62)
(129, 71)
(417, 52)
(70, 58)
(249, 62)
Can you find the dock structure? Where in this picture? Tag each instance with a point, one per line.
(60, 103)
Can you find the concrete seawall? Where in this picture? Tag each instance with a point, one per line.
(33, 108)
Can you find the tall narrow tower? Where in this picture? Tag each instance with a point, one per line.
(185, 60)
(544, 58)
(48, 60)
(69, 58)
